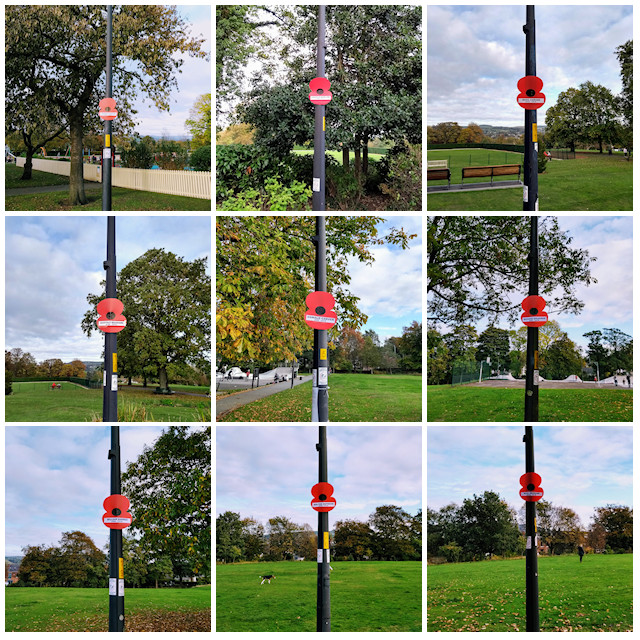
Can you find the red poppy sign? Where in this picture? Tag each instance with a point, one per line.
(530, 96)
(107, 109)
(320, 93)
(319, 314)
(531, 490)
(322, 500)
(117, 515)
(533, 315)
(110, 318)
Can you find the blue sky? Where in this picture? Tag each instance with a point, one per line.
(266, 471)
(390, 290)
(582, 467)
(609, 302)
(56, 479)
(52, 263)
(475, 56)
(194, 81)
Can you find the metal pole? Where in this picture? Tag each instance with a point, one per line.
(530, 191)
(532, 608)
(323, 608)
(320, 392)
(107, 150)
(318, 136)
(116, 569)
(532, 375)
(110, 379)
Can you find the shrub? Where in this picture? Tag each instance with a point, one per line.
(404, 182)
(201, 158)
(274, 197)
(138, 156)
(8, 377)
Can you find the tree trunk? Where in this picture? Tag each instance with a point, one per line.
(356, 161)
(345, 158)
(163, 381)
(76, 179)
(365, 156)
(28, 165)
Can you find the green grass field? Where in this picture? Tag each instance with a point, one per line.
(122, 199)
(365, 596)
(490, 596)
(36, 402)
(478, 404)
(62, 609)
(337, 155)
(593, 183)
(352, 398)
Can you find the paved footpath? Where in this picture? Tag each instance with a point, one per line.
(233, 401)
(25, 191)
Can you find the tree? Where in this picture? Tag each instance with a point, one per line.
(138, 154)
(20, 363)
(349, 350)
(561, 360)
(352, 540)
(410, 347)
(438, 358)
(201, 159)
(229, 543)
(252, 538)
(564, 121)
(169, 487)
(493, 343)
(58, 52)
(374, 64)
(612, 349)
(559, 527)
(281, 545)
(478, 265)
(471, 133)
(82, 564)
(392, 533)
(199, 121)
(265, 268)
(625, 100)
(599, 112)
(167, 303)
(617, 522)
(444, 132)
(489, 526)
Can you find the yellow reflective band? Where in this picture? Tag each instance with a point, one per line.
(323, 123)
(115, 362)
(121, 568)
(534, 132)
(535, 360)
(535, 525)
(323, 354)
(325, 541)
(107, 140)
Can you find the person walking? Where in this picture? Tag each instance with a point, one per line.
(629, 381)
(580, 552)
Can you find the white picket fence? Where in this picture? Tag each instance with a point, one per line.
(193, 184)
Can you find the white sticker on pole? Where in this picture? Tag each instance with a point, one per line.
(528, 542)
(106, 152)
(536, 207)
(120, 587)
(316, 184)
(114, 382)
(320, 555)
(323, 375)
(327, 556)
(112, 586)
(525, 193)
(104, 378)
(535, 146)
(536, 377)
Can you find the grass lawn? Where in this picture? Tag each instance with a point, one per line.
(36, 402)
(352, 398)
(593, 183)
(122, 199)
(66, 609)
(490, 596)
(12, 176)
(477, 404)
(365, 596)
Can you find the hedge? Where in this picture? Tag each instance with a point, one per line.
(477, 145)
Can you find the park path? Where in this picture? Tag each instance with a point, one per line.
(231, 402)
(26, 191)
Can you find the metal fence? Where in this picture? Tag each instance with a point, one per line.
(563, 154)
(471, 371)
(192, 184)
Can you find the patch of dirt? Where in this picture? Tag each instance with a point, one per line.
(197, 620)
(546, 384)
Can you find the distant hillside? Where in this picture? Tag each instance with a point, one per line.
(494, 131)
(14, 559)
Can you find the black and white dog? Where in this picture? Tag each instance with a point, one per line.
(267, 579)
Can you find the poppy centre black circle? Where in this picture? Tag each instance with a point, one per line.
(111, 315)
(320, 91)
(116, 511)
(531, 487)
(531, 93)
(320, 311)
(322, 496)
(533, 312)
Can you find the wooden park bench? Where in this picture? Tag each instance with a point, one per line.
(439, 174)
(437, 164)
(491, 171)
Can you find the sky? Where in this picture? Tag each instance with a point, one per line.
(609, 302)
(476, 55)
(53, 263)
(56, 479)
(581, 467)
(194, 81)
(268, 471)
(390, 290)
